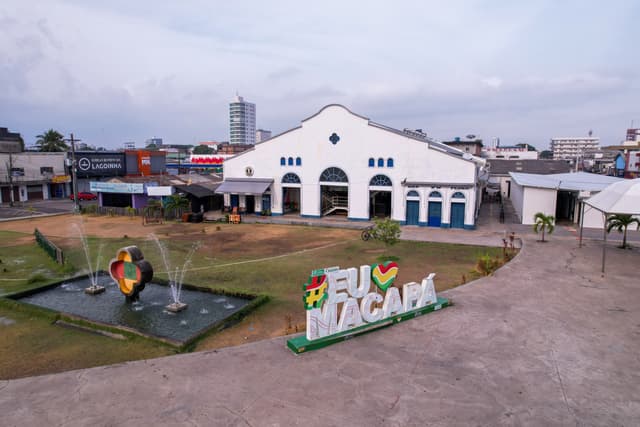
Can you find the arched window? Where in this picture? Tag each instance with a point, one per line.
(298, 161)
(291, 178)
(372, 162)
(380, 180)
(413, 193)
(283, 161)
(389, 162)
(290, 161)
(435, 194)
(334, 175)
(457, 195)
(380, 162)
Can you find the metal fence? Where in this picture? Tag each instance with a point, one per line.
(51, 249)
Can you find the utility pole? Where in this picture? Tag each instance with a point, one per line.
(76, 206)
(10, 177)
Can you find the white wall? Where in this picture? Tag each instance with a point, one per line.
(414, 161)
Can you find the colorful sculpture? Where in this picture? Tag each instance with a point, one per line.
(130, 271)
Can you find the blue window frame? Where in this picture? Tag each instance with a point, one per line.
(389, 162)
(457, 195)
(380, 162)
(435, 194)
(372, 162)
(290, 161)
(282, 161)
(298, 161)
(413, 193)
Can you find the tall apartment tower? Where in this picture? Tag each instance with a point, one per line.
(242, 121)
(572, 148)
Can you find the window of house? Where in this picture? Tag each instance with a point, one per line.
(380, 162)
(290, 161)
(17, 171)
(282, 161)
(380, 180)
(46, 170)
(389, 162)
(435, 194)
(298, 161)
(372, 162)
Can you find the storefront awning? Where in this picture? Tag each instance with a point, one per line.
(196, 190)
(244, 186)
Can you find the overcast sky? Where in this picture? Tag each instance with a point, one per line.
(121, 70)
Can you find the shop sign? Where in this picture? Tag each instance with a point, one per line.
(116, 187)
(60, 179)
(100, 164)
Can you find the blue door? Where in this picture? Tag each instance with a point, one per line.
(435, 214)
(413, 212)
(235, 201)
(457, 215)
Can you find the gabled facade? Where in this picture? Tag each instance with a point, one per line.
(339, 163)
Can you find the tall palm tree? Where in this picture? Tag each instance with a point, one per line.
(543, 222)
(52, 140)
(620, 222)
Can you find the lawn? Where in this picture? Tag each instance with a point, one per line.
(273, 260)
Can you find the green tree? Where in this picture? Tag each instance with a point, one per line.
(176, 203)
(543, 222)
(202, 149)
(387, 231)
(620, 222)
(51, 140)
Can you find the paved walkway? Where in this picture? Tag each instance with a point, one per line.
(546, 341)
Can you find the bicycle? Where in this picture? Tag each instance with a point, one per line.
(367, 233)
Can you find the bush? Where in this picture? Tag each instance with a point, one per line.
(487, 265)
(387, 231)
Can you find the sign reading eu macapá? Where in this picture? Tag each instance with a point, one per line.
(99, 164)
(339, 300)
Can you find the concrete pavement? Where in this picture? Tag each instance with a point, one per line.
(546, 341)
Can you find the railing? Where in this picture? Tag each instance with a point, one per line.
(131, 212)
(52, 250)
(332, 203)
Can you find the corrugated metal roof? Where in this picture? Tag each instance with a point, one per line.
(579, 181)
(542, 167)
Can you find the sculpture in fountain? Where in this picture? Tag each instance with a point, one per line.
(130, 271)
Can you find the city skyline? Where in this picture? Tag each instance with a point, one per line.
(118, 72)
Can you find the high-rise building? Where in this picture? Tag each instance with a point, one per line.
(242, 121)
(572, 148)
(262, 135)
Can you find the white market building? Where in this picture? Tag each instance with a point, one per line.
(337, 162)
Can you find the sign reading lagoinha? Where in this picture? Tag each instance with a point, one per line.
(339, 305)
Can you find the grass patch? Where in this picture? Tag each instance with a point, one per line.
(268, 260)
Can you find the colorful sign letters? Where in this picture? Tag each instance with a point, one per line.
(351, 293)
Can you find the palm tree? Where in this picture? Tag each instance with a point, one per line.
(52, 140)
(620, 222)
(176, 203)
(543, 222)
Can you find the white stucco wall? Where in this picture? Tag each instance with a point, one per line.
(414, 161)
(527, 201)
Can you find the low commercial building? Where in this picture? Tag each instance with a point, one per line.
(499, 169)
(33, 176)
(340, 163)
(559, 195)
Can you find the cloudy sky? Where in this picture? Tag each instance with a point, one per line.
(123, 70)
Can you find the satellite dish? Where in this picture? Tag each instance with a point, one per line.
(471, 136)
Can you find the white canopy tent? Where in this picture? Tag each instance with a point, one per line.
(622, 198)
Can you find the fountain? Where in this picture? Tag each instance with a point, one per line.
(176, 276)
(144, 313)
(94, 288)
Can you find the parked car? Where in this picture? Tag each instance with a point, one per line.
(83, 195)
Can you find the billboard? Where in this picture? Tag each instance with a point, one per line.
(99, 164)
